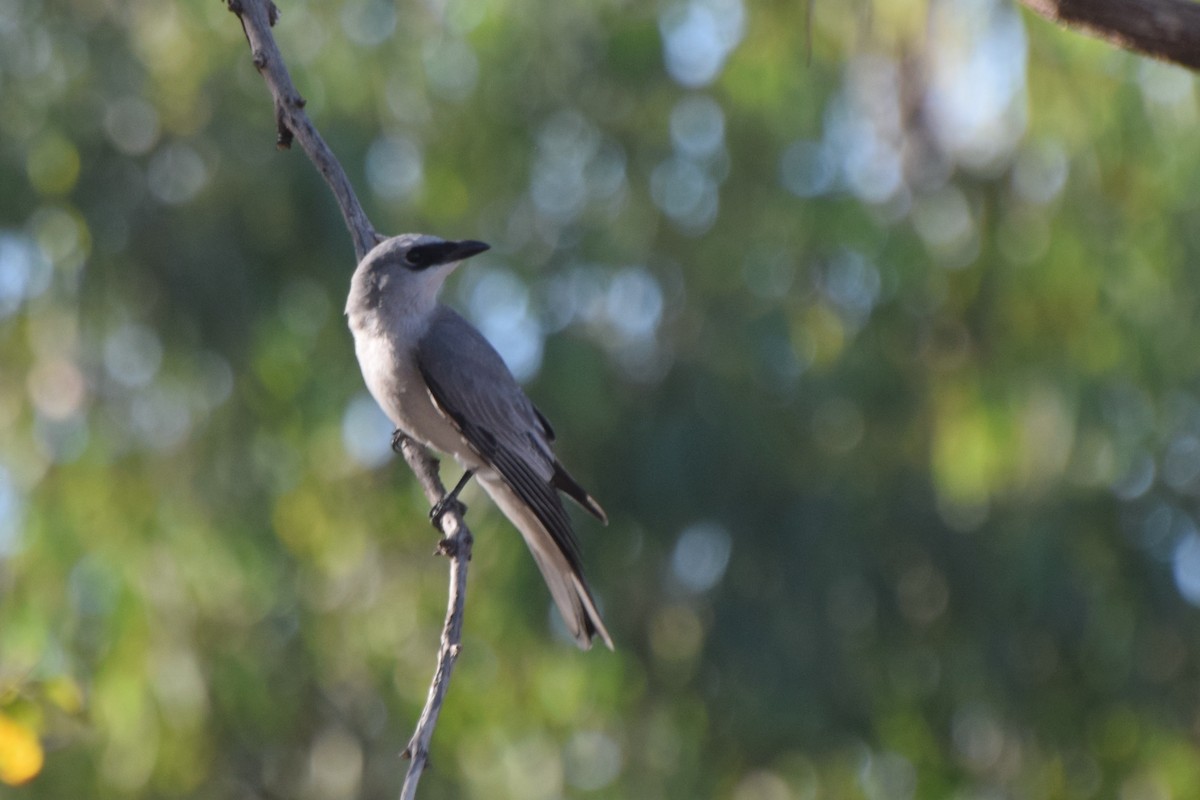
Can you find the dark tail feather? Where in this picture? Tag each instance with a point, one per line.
(563, 481)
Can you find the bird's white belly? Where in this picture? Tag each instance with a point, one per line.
(398, 387)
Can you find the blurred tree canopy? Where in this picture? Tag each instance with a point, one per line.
(881, 360)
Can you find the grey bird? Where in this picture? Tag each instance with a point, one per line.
(440, 381)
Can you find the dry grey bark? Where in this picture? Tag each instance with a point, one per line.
(1168, 30)
(292, 124)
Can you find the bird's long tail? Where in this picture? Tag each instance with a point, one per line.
(559, 568)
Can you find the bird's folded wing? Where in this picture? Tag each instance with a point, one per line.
(471, 385)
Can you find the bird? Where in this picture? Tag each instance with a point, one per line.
(440, 382)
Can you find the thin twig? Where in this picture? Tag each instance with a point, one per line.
(257, 18)
(457, 546)
(291, 121)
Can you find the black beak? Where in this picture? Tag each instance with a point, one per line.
(424, 256)
(466, 249)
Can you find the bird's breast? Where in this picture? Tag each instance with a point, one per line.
(390, 370)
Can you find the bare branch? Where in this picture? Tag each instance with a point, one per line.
(257, 17)
(292, 123)
(456, 545)
(1165, 29)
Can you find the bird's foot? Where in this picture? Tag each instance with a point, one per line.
(445, 505)
(398, 437)
(450, 501)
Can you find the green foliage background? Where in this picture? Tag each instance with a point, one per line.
(877, 349)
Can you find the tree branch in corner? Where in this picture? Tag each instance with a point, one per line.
(1164, 29)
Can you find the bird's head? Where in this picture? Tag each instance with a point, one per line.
(407, 269)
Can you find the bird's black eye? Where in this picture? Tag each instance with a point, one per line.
(423, 256)
(420, 257)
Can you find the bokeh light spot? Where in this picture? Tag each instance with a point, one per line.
(367, 432)
(1137, 478)
(132, 125)
(1186, 567)
(368, 22)
(762, 785)
(57, 388)
(944, 221)
(24, 271)
(698, 37)
(21, 754)
(451, 67)
(53, 164)
(132, 355)
(682, 189)
(634, 303)
(808, 169)
(1181, 463)
(176, 174)
(160, 416)
(978, 737)
(591, 760)
(701, 556)
(498, 302)
(335, 765)
(566, 145)
(676, 634)
(394, 167)
(887, 776)
(1040, 171)
(698, 126)
(976, 101)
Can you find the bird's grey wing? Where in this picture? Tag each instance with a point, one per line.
(470, 383)
(562, 479)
